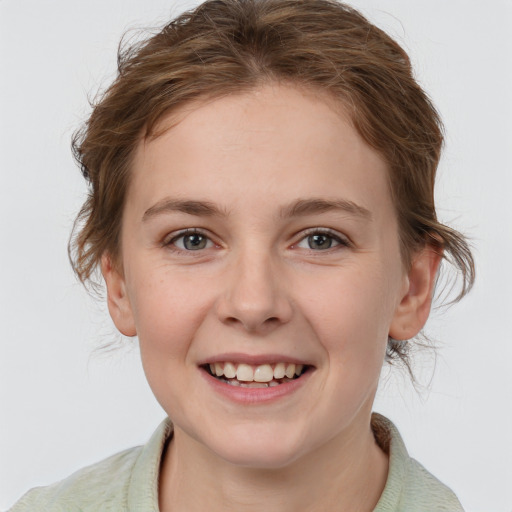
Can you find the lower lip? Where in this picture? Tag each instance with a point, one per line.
(255, 395)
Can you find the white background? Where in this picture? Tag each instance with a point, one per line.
(63, 407)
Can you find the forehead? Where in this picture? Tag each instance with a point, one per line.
(292, 141)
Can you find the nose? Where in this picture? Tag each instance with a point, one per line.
(254, 295)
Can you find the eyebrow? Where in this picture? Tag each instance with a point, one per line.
(197, 208)
(304, 207)
(299, 208)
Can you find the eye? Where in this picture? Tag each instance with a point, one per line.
(321, 240)
(190, 241)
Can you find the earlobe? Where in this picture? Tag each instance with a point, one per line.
(412, 312)
(118, 301)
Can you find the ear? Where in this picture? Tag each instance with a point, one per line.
(119, 305)
(412, 312)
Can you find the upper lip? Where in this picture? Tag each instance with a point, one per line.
(235, 357)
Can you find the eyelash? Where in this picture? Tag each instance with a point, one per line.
(171, 243)
(341, 241)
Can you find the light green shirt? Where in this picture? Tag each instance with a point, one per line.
(128, 481)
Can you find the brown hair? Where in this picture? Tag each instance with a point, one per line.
(230, 46)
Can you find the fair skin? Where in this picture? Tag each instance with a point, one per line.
(291, 256)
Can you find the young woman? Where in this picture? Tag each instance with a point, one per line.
(261, 208)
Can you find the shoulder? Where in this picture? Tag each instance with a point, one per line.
(91, 488)
(111, 485)
(409, 487)
(426, 491)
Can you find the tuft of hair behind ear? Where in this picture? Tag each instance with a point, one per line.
(456, 254)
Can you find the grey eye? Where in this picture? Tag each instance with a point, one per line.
(192, 242)
(320, 241)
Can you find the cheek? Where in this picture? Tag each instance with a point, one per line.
(168, 309)
(352, 315)
(168, 313)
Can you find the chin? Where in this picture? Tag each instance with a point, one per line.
(259, 450)
(260, 459)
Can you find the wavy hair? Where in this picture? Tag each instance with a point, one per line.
(231, 46)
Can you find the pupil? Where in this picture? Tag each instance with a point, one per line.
(319, 242)
(194, 242)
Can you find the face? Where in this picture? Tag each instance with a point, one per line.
(258, 239)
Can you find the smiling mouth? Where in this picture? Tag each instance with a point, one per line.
(255, 376)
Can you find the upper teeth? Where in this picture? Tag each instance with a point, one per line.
(262, 373)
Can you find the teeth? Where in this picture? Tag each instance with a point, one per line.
(279, 371)
(219, 369)
(245, 372)
(261, 374)
(253, 385)
(290, 370)
(229, 370)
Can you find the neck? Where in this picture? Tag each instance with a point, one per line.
(347, 473)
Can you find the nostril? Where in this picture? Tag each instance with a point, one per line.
(253, 300)
(253, 324)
